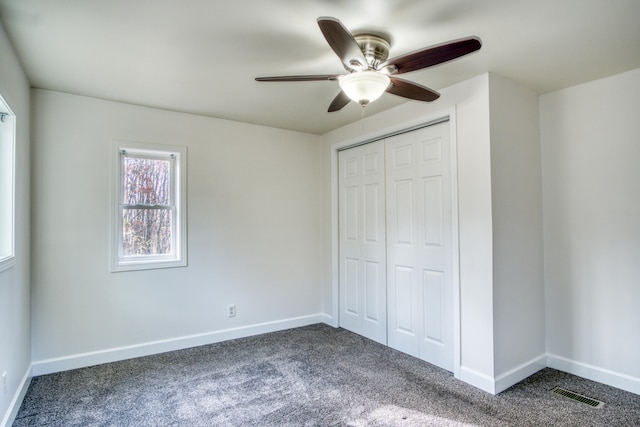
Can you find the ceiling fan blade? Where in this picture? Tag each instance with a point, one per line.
(411, 90)
(343, 44)
(309, 78)
(432, 55)
(339, 102)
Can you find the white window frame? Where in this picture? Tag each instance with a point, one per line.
(7, 185)
(178, 156)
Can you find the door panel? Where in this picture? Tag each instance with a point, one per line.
(433, 214)
(350, 207)
(419, 239)
(433, 300)
(372, 224)
(363, 289)
(403, 212)
(404, 296)
(351, 287)
(372, 296)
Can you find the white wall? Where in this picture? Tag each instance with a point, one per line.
(470, 99)
(590, 137)
(516, 188)
(254, 230)
(15, 346)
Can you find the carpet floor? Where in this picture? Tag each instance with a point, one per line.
(310, 376)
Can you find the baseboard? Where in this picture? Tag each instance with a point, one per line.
(594, 373)
(14, 406)
(329, 320)
(48, 366)
(477, 379)
(519, 373)
(502, 381)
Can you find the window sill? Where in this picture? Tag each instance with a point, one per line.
(146, 265)
(7, 262)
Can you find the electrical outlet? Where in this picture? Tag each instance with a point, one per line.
(231, 310)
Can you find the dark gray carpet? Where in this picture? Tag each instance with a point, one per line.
(311, 376)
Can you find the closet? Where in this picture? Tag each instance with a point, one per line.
(395, 242)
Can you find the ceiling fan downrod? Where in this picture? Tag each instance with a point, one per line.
(375, 49)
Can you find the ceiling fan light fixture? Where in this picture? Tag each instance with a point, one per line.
(371, 73)
(364, 87)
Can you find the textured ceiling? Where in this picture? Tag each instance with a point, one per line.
(201, 56)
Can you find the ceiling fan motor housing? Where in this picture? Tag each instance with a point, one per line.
(374, 48)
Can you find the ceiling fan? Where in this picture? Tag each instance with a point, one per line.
(371, 74)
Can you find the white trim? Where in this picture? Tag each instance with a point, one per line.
(328, 319)
(505, 380)
(390, 130)
(48, 366)
(16, 401)
(335, 239)
(594, 373)
(455, 239)
(8, 260)
(477, 379)
(519, 373)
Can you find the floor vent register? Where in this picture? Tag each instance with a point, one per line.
(578, 397)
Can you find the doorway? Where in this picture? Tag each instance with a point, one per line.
(396, 242)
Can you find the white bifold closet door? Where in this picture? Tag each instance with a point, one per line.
(419, 244)
(395, 228)
(363, 303)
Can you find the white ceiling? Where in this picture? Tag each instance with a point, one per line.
(201, 56)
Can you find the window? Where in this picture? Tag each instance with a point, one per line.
(7, 185)
(149, 206)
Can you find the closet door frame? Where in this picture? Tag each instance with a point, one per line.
(375, 135)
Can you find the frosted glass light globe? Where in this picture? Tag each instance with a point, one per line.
(364, 87)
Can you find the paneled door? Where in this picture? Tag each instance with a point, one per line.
(419, 244)
(363, 291)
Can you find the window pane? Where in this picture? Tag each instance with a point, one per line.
(146, 232)
(146, 181)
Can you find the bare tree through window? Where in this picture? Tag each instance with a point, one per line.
(147, 211)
